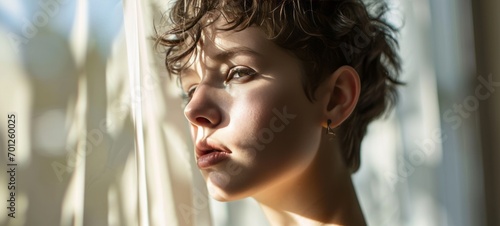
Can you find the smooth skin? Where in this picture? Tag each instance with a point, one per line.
(247, 96)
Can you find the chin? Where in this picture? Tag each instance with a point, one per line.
(225, 192)
(219, 194)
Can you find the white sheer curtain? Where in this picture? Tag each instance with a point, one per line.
(416, 170)
(103, 140)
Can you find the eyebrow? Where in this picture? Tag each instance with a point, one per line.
(235, 51)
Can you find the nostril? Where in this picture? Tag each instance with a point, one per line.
(202, 120)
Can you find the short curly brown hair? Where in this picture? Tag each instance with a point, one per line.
(324, 34)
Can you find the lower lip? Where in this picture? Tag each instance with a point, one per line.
(211, 159)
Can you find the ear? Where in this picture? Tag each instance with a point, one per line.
(339, 96)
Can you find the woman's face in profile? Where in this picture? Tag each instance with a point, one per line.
(251, 122)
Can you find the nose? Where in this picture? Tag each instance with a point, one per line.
(203, 110)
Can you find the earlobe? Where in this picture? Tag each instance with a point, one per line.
(344, 87)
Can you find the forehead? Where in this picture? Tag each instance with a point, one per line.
(215, 41)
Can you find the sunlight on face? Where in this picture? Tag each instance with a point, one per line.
(247, 101)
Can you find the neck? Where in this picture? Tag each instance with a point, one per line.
(323, 194)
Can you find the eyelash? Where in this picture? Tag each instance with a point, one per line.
(230, 76)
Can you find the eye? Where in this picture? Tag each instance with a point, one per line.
(187, 96)
(240, 72)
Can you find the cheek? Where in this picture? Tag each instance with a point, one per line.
(285, 120)
(253, 116)
(274, 130)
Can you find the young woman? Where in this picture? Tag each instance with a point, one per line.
(279, 96)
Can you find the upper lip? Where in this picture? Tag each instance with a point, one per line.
(204, 147)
